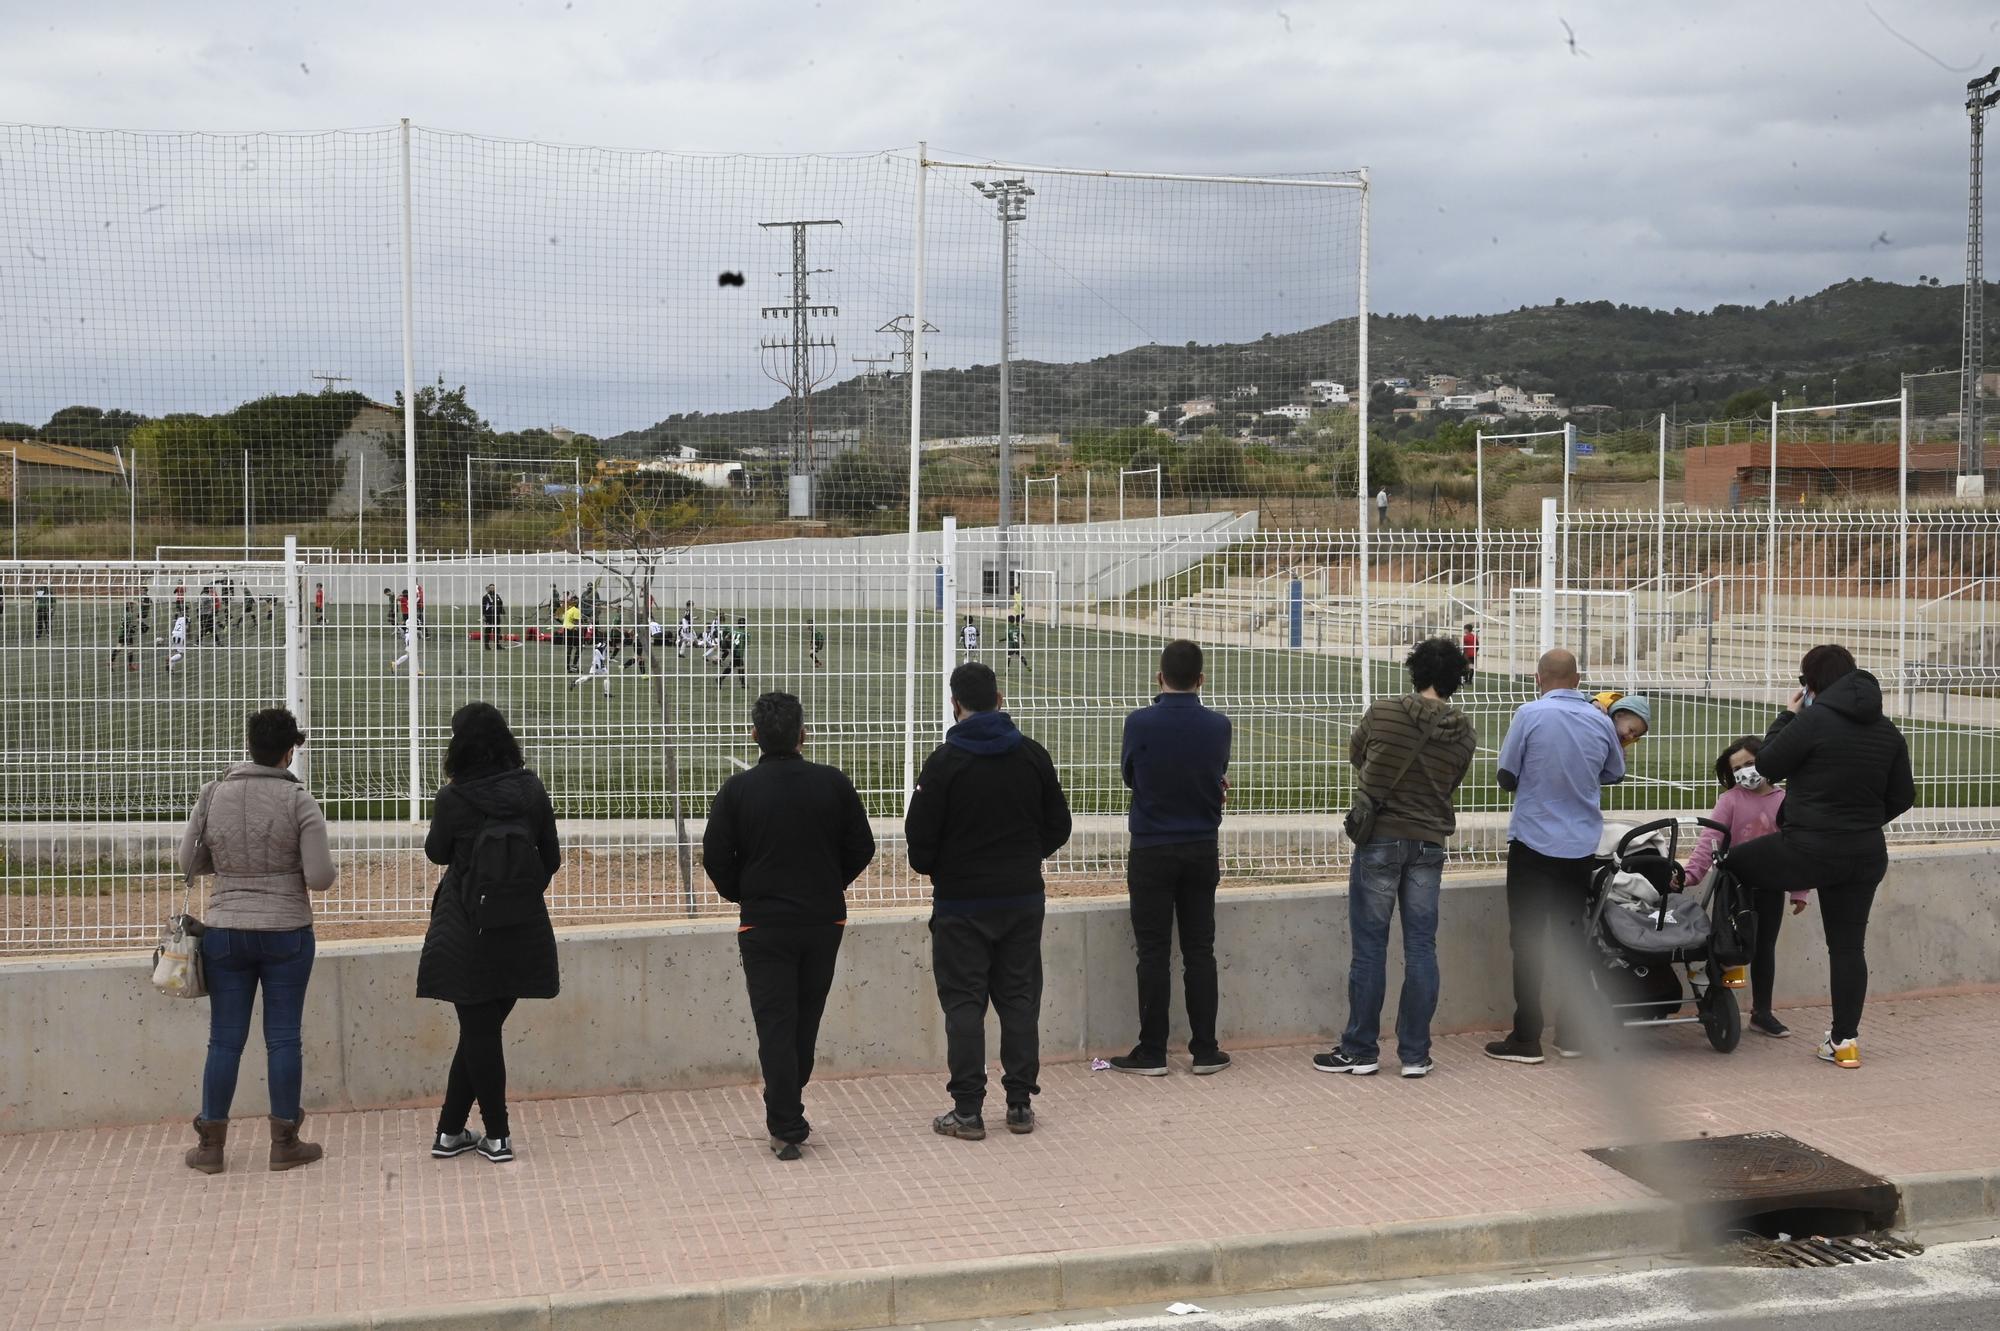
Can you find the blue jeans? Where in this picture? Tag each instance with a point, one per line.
(1385, 875)
(235, 961)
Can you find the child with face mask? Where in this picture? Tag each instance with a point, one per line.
(1749, 809)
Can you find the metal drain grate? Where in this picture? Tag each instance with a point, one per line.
(1853, 1251)
(1726, 1180)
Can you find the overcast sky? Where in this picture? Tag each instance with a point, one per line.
(1680, 154)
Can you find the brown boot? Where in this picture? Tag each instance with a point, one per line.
(206, 1154)
(287, 1151)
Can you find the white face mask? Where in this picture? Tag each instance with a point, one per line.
(1750, 778)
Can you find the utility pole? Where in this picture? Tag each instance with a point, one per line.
(1010, 197)
(874, 380)
(795, 360)
(904, 328)
(327, 381)
(1979, 95)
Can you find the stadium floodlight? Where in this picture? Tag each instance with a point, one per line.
(1010, 197)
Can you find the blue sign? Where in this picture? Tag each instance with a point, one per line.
(1585, 450)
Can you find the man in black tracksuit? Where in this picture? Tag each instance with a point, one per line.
(987, 811)
(784, 839)
(492, 611)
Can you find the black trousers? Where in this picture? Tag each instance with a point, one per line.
(1165, 884)
(478, 1070)
(574, 641)
(789, 970)
(1769, 903)
(1545, 901)
(1843, 872)
(994, 958)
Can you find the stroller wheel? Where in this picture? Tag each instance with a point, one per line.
(1721, 1019)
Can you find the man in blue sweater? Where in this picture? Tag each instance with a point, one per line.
(1176, 760)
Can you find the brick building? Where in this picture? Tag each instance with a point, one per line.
(1736, 475)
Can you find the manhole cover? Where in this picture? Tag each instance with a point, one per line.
(1753, 1173)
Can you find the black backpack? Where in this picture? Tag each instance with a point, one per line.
(504, 879)
(1734, 938)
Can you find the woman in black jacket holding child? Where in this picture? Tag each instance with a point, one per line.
(490, 942)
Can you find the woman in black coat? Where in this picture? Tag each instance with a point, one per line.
(1848, 774)
(489, 942)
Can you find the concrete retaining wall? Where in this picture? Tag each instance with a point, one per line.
(87, 1041)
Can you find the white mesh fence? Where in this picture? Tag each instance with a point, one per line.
(100, 760)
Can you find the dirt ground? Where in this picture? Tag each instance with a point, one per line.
(373, 901)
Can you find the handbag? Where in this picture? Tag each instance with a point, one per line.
(1366, 808)
(1734, 939)
(177, 968)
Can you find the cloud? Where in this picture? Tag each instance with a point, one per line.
(1708, 152)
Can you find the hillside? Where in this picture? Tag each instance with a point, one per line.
(1633, 359)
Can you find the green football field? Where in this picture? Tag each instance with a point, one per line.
(85, 738)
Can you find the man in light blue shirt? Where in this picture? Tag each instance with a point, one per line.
(1559, 753)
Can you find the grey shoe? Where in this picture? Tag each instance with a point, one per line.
(965, 1127)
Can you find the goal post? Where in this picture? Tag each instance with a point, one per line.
(1600, 626)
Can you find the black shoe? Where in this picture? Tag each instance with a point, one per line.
(1138, 1066)
(1511, 1050)
(1421, 1068)
(497, 1149)
(1207, 1065)
(1766, 1024)
(783, 1149)
(1341, 1061)
(448, 1144)
(1020, 1119)
(965, 1127)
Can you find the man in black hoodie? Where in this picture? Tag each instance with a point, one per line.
(784, 839)
(1849, 776)
(987, 811)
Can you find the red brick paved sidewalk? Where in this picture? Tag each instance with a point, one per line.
(105, 1228)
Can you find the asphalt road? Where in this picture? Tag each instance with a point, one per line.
(1950, 1288)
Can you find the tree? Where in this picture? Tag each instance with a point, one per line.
(90, 427)
(192, 465)
(448, 432)
(855, 484)
(1213, 467)
(1749, 402)
(291, 440)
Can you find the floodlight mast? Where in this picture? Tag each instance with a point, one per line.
(1010, 198)
(1971, 443)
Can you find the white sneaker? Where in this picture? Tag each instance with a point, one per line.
(1846, 1054)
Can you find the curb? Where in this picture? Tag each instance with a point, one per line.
(1105, 1277)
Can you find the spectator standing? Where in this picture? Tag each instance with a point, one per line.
(1847, 769)
(489, 943)
(1382, 507)
(1559, 753)
(1409, 753)
(1749, 809)
(987, 811)
(1175, 759)
(262, 835)
(784, 840)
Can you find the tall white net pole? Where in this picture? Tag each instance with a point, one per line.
(948, 544)
(1903, 548)
(1479, 519)
(1361, 444)
(1771, 558)
(916, 372)
(410, 473)
(291, 602)
(1660, 547)
(1549, 560)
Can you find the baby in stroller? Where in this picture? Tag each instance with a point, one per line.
(1642, 922)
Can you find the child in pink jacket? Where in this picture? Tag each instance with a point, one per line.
(1749, 809)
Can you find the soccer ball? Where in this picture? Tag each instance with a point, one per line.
(159, 642)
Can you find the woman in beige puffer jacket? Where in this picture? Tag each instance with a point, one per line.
(261, 834)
